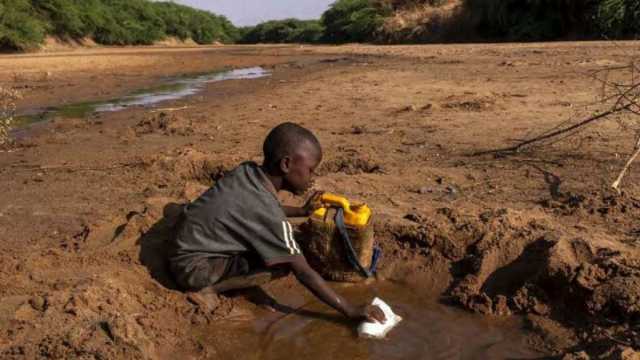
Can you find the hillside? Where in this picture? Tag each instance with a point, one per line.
(25, 24)
(427, 21)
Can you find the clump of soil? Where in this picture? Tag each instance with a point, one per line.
(190, 165)
(473, 104)
(164, 123)
(350, 164)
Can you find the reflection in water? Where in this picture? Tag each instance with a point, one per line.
(173, 90)
(429, 331)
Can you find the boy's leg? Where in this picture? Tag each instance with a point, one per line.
(217, 275)
(224, 274)
(200, 274)
(245, 272)
(249, 280)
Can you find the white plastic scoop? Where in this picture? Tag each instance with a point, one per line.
(376, 330)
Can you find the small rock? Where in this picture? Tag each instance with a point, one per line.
(481, 303)
(500, 306)
(357, 130)
(540, 308)
(38, 303)
(126, 331)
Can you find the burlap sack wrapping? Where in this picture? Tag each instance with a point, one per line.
(325, 251)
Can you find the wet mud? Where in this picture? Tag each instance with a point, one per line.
(429, 330)
(170, 90)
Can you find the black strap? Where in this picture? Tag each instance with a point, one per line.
(351, 253)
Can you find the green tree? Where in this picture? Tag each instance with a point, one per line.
(530, 19)
(619, 18)
(352, 21)
(64, 17)
(284, 31)
(19, 29)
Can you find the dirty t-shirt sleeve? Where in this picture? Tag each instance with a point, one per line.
(275, 242)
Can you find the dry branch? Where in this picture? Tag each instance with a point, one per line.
(616, 184)
(525, 143)
(618, 95)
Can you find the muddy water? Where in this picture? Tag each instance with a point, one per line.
(174, 89)
(429, 331)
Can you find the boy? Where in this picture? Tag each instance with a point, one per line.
(237, 233)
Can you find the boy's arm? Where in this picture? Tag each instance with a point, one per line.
(300, 211)
(316, 284)
(295, 211)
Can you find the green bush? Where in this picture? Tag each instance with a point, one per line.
(24, 23)
(353, 21)
(529, 19)
(19, 29)
(619, 18)
(63, 16)
(553, 19)
(284, 31)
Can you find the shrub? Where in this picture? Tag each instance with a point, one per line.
(64, 17)
(24, 23)
(353, 21)
(19, 29)
(283, 31)
(126, 22)
(530, 19)
(619, 18)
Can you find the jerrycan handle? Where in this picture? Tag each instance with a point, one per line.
(335, 200)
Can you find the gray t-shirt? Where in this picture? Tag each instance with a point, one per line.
(239, 214)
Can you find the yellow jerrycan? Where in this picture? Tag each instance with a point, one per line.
(339, 240)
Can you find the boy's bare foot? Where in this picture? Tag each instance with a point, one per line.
(206, 299)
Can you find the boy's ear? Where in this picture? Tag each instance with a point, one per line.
(285, 164)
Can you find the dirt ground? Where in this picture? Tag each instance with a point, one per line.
(87, 203)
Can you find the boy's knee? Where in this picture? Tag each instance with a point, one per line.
(200, 274)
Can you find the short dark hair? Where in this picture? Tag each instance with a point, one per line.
(283, 140)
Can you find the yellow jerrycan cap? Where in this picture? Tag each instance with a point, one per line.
(354, 215)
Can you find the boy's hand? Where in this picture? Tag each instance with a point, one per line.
(313, 203)
(370, 313)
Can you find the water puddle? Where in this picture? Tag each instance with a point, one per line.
(171, 90)
(429, 331)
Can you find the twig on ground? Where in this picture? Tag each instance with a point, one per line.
(523, 144)
(618, 341)
(170, 109)
(616, 184)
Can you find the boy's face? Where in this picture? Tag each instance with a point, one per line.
(299, 168)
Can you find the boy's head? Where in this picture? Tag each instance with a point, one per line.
(292, 152)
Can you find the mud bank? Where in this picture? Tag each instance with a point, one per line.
(537, 235)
